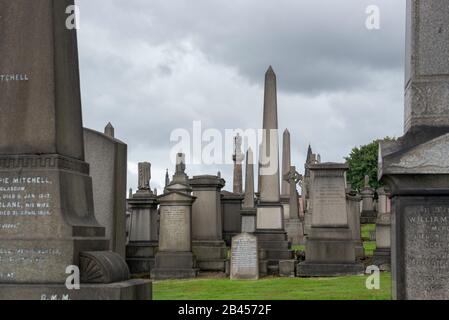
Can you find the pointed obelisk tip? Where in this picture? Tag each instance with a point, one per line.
(286, 132)
(109, 130)
(270, 72)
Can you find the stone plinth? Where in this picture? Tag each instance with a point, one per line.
(330, 247)
(231, 204)
(207, 237)
(175, 259)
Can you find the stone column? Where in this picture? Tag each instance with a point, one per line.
(269, 210)
(238, 159)
(248, 211)
(42, 165)
(353, 203)
(286, 162)
(208, 245)
(330, 245)
(416, 166)
(382, 255)
(270, 218)
(144, 227)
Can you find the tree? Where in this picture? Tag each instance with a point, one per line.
(363, 161)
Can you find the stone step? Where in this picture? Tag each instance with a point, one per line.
(274, 245)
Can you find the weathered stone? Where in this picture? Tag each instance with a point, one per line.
(287, 268)
(416, 167)
(231, 204)
(175, 259)
(244, 257)
(382, 254)
(238, 159)
(330, 246)
(48, 220)
(107, 158)
(368, 213)
(353, 207)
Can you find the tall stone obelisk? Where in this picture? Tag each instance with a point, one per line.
(269, 212)
(248, 211)
(286, 162)
(45, 189)
(237, 157)
(270, 218)
(269, 170)
(416, 166)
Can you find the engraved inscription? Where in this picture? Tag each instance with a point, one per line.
(244, 257)
(14, 77)
(427, 251)
(174, 221)
(18, 198)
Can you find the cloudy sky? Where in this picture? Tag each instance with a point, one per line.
(153, 66)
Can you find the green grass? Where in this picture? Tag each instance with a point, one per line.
(336, 288)
(299, 248)
(366, 229)
(368, 245)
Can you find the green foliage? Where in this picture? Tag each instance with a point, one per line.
(364, 161)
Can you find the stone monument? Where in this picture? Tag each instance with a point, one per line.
(238, 159)
(353, 204)
(286, 165)
(306, 190)
(270, 218)
(107, 158)
(369, 214)
(175, 259)
(144, 225)
(382, 254)
(231, 204)
(248, 212)
(293, 224)
(207, 237)
(244, 257)
(415, 168)
(47, 220)
(330, 246)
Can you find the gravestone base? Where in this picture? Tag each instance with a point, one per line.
(287, 268)
(295, 231)
(382, 259)
(210, 255)
(140, 256)
(263, 268)
(310, 269)
(330, 252)
(368, 217)
(275, 245)
(359, 249)
(174, 265)
(136, 289)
